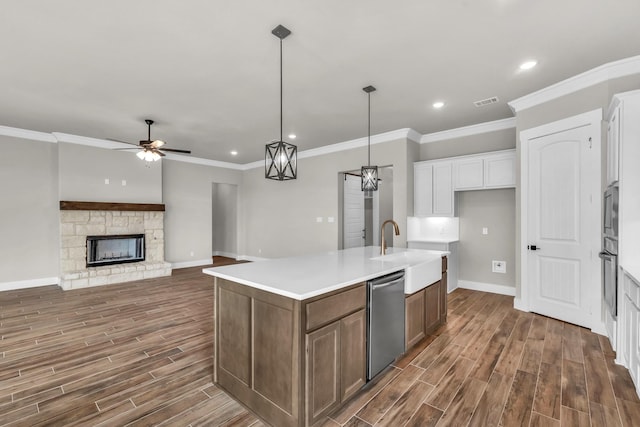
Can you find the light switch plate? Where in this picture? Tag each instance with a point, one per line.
(485, 230)
(319, 219)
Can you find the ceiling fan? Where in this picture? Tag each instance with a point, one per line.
(150, 149)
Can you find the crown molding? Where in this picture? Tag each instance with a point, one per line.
(27, 134)
(469, 130)
(92, 142)
(611, 70)
(204, 162)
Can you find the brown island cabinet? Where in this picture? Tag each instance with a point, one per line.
(294, 362)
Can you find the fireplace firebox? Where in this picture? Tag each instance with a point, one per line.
(116, 249)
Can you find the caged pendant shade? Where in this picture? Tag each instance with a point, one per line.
(280, 157)
(369, 174)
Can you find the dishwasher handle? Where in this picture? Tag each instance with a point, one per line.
(386, 284)
(386, 280)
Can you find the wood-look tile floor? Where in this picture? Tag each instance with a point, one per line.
(141, 353)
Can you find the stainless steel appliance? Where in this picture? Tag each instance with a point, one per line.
(385, 321)
(609, 252)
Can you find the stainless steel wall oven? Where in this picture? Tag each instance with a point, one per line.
(609, 254)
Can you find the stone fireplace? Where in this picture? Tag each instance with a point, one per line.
(84, 222)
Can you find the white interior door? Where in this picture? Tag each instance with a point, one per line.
(353, 215)
(563, 209)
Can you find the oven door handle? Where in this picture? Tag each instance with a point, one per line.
(606, 255)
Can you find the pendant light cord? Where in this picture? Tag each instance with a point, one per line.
(280, 89)
(369, 133)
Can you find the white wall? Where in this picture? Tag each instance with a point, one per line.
(29, 230)
(187, 198)
(279, 218)
(83, 171)
(495, 210)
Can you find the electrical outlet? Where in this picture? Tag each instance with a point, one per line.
(124, 182)
(192, 253)
(106, 181)
(499, 266)
(319, 219)
(330, 219)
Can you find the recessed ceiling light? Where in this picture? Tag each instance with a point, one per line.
(528, 65)
(292, 136)
(438, 104)
(234, 153)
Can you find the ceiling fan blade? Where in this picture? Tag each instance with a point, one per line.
(173, 150)
(157, 143)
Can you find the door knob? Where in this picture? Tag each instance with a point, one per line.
(533, 248)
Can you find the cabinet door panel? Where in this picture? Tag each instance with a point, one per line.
(433, 300)
(422, 190)
(414, 319)
(234, 335)
(442, 189)
(323, 371)
(469, 174)
(500, 170)
(353, 353)
(272, 353)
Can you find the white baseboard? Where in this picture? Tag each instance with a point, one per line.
(225, 254)
(518, 304)
(31, 283)
(599, 328)
(487, 287)
(196, 263)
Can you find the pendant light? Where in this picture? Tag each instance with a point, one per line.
(280, 158)
(369, 174)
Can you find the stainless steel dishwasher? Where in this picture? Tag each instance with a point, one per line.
(385, 321)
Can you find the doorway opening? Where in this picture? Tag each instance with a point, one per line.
(361, 213)
(224, 220)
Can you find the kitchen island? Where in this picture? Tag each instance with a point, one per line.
(290, 333)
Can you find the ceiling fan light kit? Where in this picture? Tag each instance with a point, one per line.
(369, 174)
(150, 150)
(280, 159)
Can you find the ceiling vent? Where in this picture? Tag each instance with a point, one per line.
(488, 101)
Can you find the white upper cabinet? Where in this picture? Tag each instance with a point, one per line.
(469, 174)
(432, 189)
(613, 144)
(436, 180)
(500, 170)
(442, 189)
(422, 189)
(485, 171)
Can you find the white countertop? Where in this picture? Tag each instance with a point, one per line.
(307, 276)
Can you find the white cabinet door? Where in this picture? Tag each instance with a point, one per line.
(442, 189)
(500, 170)
(468, 174)
(613, 144)
(422, 189)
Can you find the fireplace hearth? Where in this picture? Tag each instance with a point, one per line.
(118, 249)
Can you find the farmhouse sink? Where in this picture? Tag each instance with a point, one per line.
(422, 268)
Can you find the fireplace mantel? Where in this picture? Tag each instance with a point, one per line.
(110, 206)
